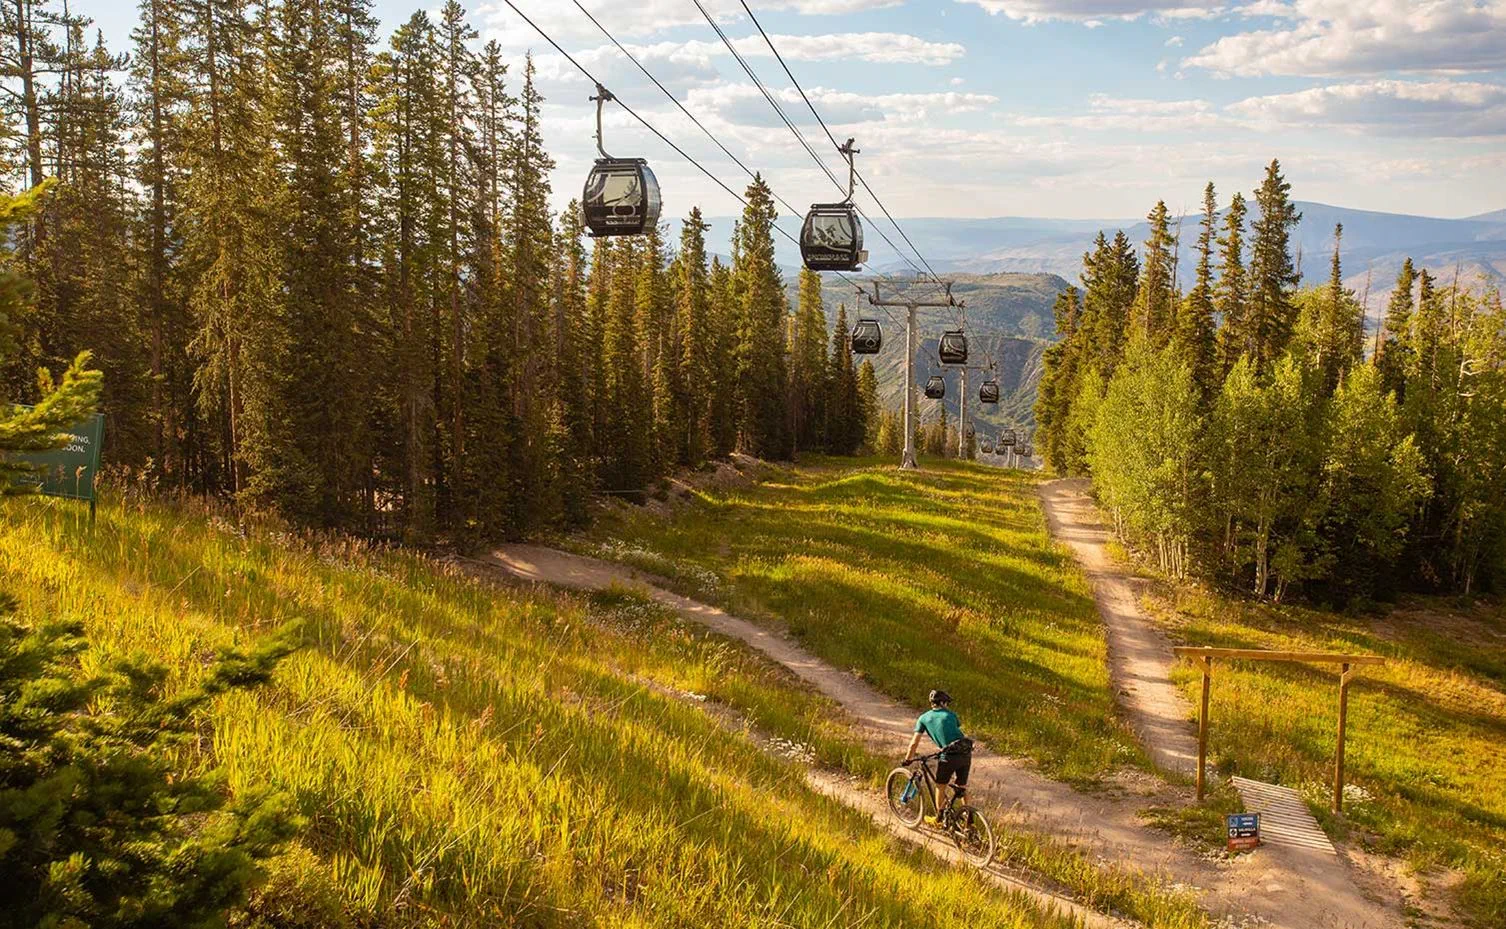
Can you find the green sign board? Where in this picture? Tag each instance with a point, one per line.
(69, 471)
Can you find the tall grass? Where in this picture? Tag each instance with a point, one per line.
(474, 756)
(941, 578)
(1426, 747)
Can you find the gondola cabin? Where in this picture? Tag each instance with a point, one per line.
(1007, 439)
(936, 387)
(621, 197)
(832, 238)
(988, 447)
(867, 338)
(988, 392)
(953, 347)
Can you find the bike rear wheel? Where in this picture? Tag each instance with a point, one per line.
(906, 796)
(974, 836)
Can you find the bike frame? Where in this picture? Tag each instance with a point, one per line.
(929, 777)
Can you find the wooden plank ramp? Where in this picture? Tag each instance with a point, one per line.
(1284, 817)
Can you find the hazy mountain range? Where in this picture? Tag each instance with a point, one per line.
(1010, 269)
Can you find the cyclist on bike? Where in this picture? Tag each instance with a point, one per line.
(942, 725)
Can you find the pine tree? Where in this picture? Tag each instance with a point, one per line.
(325, 384)
(760, 343)
(1197, 336)
(231, 255)
(1154, 313)
(810, 372)
(1331, 323)
(869, 409)
(626, 432)
(1391, 354)
(1231, 297)
(1273, 278)
(722, 318)
(693, 297)
(158, 87)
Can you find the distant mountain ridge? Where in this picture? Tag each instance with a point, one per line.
(1009, 270)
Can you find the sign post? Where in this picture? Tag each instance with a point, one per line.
(1244, 831)
(69, 471)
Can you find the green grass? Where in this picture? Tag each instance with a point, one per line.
(1426, 746)
(940, 578)
(469, 755)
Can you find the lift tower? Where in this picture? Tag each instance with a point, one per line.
(911, 296)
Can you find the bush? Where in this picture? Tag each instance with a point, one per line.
(100, 826)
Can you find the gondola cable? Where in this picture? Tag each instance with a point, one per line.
(794, 130)
(862, 180)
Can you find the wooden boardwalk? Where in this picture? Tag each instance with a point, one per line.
(1284, 817)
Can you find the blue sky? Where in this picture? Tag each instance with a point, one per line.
(1064, 108)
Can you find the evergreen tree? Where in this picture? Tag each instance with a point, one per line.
(693, 299)
(869, 408)
(1197, 336)
(1391, 354)
(1231, 298)
(1331, 324)
(810, 371)
(1273, 277)
(1154, 312)
(760, 344)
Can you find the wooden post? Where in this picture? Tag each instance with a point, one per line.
(1202, 727)
(1338, 767)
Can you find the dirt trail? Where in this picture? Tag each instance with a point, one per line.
(1139, 655)
(1252, 888)
(1140, 661)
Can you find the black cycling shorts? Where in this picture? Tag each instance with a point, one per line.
(954, 770)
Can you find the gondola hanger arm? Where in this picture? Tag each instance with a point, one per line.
(603, 96)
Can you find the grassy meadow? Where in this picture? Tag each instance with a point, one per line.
(1426, 747)
(473, 755)
(940, 578)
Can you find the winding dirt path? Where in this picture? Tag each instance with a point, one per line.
(1105, 824)
(1140, 662)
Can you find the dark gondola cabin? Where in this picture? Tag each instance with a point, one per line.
(936, 387)
(988, 447)
(832, 238)
(621, 197)
(988, 392)
(1007, 439)
(867, 338)
(953, 347)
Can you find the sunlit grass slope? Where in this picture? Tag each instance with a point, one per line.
(468, 755)
(1426, 746)
(941, 578)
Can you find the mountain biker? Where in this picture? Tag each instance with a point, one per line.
(942, 725)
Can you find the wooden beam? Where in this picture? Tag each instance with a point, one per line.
(1262, 654)
(1202, 728)
(1338, 764)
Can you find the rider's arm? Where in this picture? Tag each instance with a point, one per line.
(914, 744)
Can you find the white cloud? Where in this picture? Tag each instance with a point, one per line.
(1127, 114)
(741, 105)
(636, 19)
(1344, 37)
(958, 81)
(1094, 12)
(1174, 42)
(1432, 109)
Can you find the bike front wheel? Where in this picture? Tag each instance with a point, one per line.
(974, 836)
(906, 795)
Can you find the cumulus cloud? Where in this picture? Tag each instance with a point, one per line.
(1129, 114)
(1094, 12)
(1428, 109)
(637, 18)
(1343, 38)
(741, 105)
(1174, 42)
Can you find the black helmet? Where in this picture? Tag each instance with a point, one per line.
(940, 698)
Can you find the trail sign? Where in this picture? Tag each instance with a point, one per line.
(1244, 831)
(69, 471)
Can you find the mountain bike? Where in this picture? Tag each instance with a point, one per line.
(910, 785)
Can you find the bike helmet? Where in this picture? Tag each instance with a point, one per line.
(940, 698)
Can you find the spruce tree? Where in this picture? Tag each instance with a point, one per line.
(1231, 297)
(1153, 314)
(1273, 277)
(1391, 354)
(1196, 330)
(760, 331)
(693, 298)
(810, 384)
